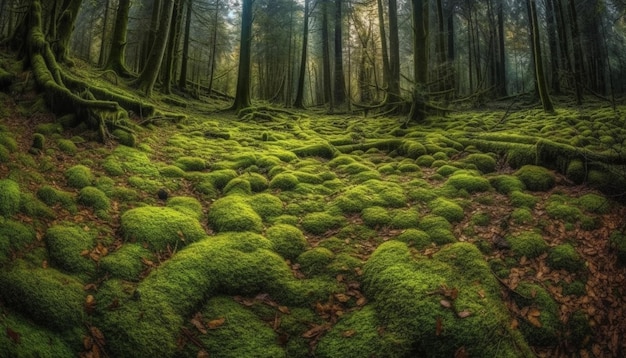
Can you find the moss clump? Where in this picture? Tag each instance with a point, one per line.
(79, 176)
(284, 181)
(258, 182)
(536, 178)
(35, 208)
(415, 238)
(52, 196)
(469, 183)
(323, 150)
(594, 203)
(34, 340)
(13, 237)
(94, 197)
(186, 205)
(9, 197)
(405, 219)
(47, 296)
(125, 138)
(39, 141)
(425, 161)
(160, 227)
(519, 199)
(447, 209)
(49, 128)
(373, 192)
(190, 164)
(506, 184)
(529, 244)
(315, 261)
(67, 245)
(320, 222)
(8, 141)
(579, 330)
(172, 171)
(545, 331)
(522, 216)
(376, 216)
(67, 146)
(576, 171)
(483, 162)
(266, 205)
(127, 262)
(565, 257)
(618, 243)
(112, 166)
(238, 186)
(288, 240)
(563, 211)
(233, 213)
(447, 170)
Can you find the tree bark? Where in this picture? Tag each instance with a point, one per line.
(383, 43)
(182, 82)
(555, 84)
(546, 102)
(393, 92)
(339, 78)
(148, 76)
(172, 48)
(105, 28)
(299, 101)
(67, 21)
(577, 57)
(242, 96)
(328, 97)
(420, 58)
(117, 54)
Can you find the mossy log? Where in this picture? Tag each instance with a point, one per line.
(99, 108)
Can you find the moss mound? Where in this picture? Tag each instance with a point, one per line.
(319, 223)
(9, 197)
(160, 227)
(186, 205)
(287, 240)
(95, 198)
(315, 261)
(376, 216)
(234, 213)
(536, 178)
(52, 196)
(79, 176)
(67, 146)
(415, 238)
(189, 164)
(542, 329)
(371, 193)
(69, 247)
(127, 263)
(519, 199)
(529, 244)
(594, 203)
(238, 186)
(284, 181)
(447, 209)
(34, 340)
(565, 257)
(483, 162)
(469, 183)
(14, 236)
(506, 184)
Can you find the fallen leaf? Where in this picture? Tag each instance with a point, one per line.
(460, 353)
(87, 343)
(202, 354)
(342, 298)
(534, 312)
(85, 253)
(514, 323)
(481, 293)
(13, 335)
(534, 321)
(44, 264)
(196, 321)
(216, 323)
(349, 333)
(361, 301)
(438, 327)
(445, 303)
(315, 331)
(464, 314)
(97, 335)
(284, 309)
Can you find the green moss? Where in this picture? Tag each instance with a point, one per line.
(8, 141)
(425, 160)
(315, 261)
(127, 262)
(579, 329)
(14, 236)
(546, 333)
(134, 161)
(519, 199)
(35, 208)
(536, 178)
(112, 166)
(266, 205)
(447, 209)
(320, 222)
(238, 186)
(47, 296)
(563, 211)
(79, 176)
(469, 183)
(481, 219)
(422, 195)
(415, 238)
(576, 171)
(522, 216)
(618, 243)
(376, 216)
(405, 219)
(160, 227)
(506, 184)
(446, 170)
(258, 182)
(287, 240)
(5, 156)
(9, 197)
(284, 181)
(576, 288)
(125, 138)
(371, 193)
(565, 257)
(52, 196)
(483, 162)
(233, 213)
(39, 141)
(95, 198)
(594, 203)
(186, 205)
(67, 146)
(67, 245)
(323, 150)
(529, 244)
(34, 340)
(189, 164)
(172, 171)
(520, 156)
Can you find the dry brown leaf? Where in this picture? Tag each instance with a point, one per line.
(196, 321)
(315, 331)
(438, 327)
(464, 314)
(514, 323)
(534, 321)
(481, 293)
(202, 354)
(85, 253)
(349, 333)
(87, 342)
(44, 264)
(361, 301)
(460, 353)
(216, 323)
(445, 303)
(97, 335)
(284, 309)
(342, 297)
(534, 312)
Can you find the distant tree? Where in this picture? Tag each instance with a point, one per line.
(420, 58)
(182, 80)
(69, 12)
(328, 97)
(242, 96)
(171, 49)
(299, 101)
(536, 44)
(117, 53)
(339, 93)
(393, 92)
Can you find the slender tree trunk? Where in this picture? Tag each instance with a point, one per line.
(117, 53)
(213, 46)
(105, 31)
(577, 57)
(242, 96)
(171, 48)
(182, 81)
(501, 51)
(148, 76)
(68, 19)
(299, 101)
(420, 58)
(383, 42)
(555, 84)
(541, 78)
(328, 98)
(394, 95)
(339, 78)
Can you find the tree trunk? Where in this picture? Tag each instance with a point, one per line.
(383, 43)
(182, 82)
(214, 46)
(117, 54)
(541, 78)
(68, 21)
(299, 101)
(577, 57)
(171, 48)
(339, 78)
(502, 80)
(328, 97)
(393, 92)
(420, 58)
(105, 28)
(148, 76)
(242, 96)
(555, 84)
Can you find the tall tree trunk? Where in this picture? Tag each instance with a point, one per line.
(383, 43)
(214, 45)
(182, 81)
(117, 53)
(172, 48)
(577, 57)
(555, 84)
(339, 78)
(501, 51)
(68, 19)
(328, 98)
(105, 31)
(394, 95)
(299, 101)
(149, 75)
(242, 96)
(541, 78)
(420, 58)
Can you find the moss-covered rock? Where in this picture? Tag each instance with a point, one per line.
(160, 227)
(415, 238)
(34, 340)
(522, 216)
(565, 257)
(127, 263)
(315, 261)
(371, 193)
(528, 243)
(506, 184)
(79, 176)
(536, 178)
(405, 218)
(238, 186)
(319, 223)
(576, 171)
(69, 247)
(9, 197)
(543, 329)
(469, 183)
(268, 206)
(67, 146)
(284, 181)
(519, 199)
(323, 150)
(14, 236)
(447, 209)
(190, 163)
(52, 196)
(287, 240)
(95, 198)
(125, 138)
(483, 162)
(376, 216)
(186, 205)
(594, 203)
(233, 213)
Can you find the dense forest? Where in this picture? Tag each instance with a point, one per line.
(312, 178)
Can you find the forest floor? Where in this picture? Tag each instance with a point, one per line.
(304, 234)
